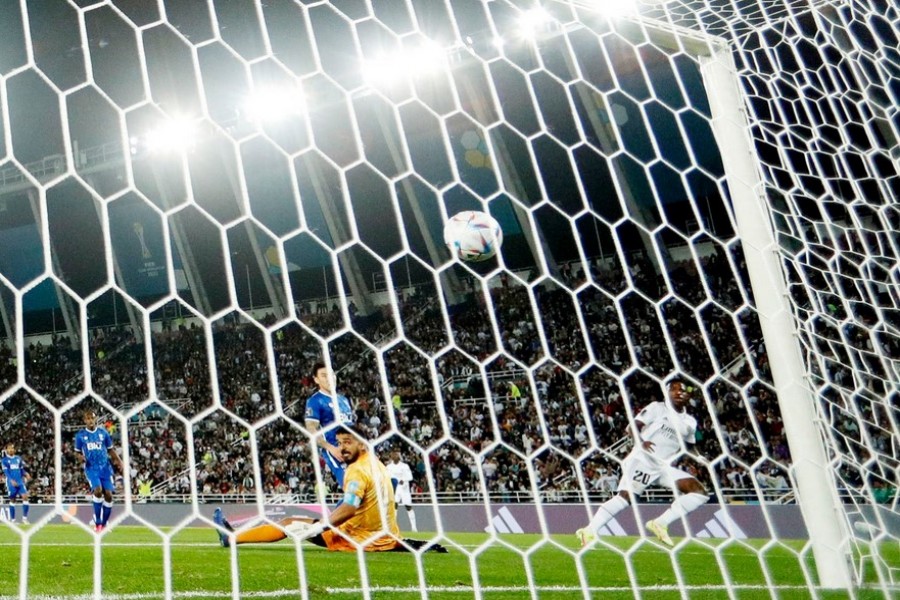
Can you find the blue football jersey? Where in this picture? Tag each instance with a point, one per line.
(321, 407)
(14, 469)
(94, 445)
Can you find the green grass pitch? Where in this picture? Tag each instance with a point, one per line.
(62, 559)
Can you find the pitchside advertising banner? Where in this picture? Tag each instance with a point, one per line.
(709, 521)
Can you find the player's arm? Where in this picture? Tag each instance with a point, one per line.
(691, 436)
(312, 426)
(306, 528)
(354, 492)
(113, 455)
(640, 421)
(79, 449)
(343, 513)
(115, 460)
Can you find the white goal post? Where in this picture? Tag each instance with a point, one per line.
(811, 468)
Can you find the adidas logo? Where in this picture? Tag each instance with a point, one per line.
(504, 522)
(721, 526)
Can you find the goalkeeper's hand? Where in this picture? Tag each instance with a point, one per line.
(303, 529)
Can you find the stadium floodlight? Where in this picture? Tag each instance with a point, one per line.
(271, 104)
(532, 22)
(428, 57)
(173, 135)
(612, 8)
(618, 7)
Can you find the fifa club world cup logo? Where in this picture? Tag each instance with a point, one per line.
(139, 232)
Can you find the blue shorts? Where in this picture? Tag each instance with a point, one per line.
(336, 467)
(100, 478)
(16, 489)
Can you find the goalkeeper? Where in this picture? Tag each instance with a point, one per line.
(367, 515)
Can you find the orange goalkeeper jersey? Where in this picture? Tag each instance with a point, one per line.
(368, 486)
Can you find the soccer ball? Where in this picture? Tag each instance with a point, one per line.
(473, 236)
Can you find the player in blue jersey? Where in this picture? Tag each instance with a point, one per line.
(325, 411)
(16, 477)
(95, 446)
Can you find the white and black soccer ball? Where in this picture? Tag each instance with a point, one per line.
(473, 236)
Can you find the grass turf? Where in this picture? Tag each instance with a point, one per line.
(62, 559)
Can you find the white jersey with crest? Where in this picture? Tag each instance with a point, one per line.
(401, 472)
(667, 429)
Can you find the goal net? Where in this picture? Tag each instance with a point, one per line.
(200, 201)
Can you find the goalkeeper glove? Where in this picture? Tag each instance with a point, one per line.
(303, 530)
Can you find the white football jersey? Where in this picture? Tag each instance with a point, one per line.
(667, 429)
(401, 472)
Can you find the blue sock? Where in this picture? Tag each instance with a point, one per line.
(107, 510)
(25, 507)
(12, 511)
(98, 505)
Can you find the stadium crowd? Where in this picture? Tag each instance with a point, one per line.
(539, 417)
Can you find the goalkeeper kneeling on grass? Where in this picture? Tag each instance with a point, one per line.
(367, 515)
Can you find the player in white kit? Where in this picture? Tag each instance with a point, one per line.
(400, 473)
(663, 428)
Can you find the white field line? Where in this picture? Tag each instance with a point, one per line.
(342, 591)
(210, 544)
(123, 544)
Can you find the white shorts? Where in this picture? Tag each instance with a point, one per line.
(402, 495)
(640, 471)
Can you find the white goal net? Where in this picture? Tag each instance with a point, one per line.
(200, 201)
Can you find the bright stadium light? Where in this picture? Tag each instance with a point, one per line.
(614, 8)
(424, 59)
(618, 7)
(532, 22)
(273, 104)
(173, 135)
(427, 58)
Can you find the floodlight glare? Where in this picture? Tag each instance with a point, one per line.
(427, 58)
(273, 104)
(532, 21)
(174, 135)
(614, 8)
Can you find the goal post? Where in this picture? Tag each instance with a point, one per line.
(811, 468)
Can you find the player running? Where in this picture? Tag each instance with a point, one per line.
(325, 411)
(16, 477)
(95, 446)
(662, 429)
(401, 478)
(366, 516)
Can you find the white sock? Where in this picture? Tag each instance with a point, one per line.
(606, 512)
(412, 519)
(681, 507)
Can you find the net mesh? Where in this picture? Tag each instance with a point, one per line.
(199, 201)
